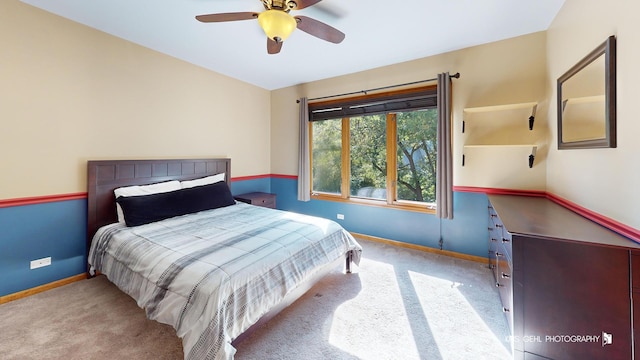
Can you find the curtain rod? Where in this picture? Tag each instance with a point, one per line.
(456, 75)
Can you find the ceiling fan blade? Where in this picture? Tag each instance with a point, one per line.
(301, 4)
(319, 29)
(273, 47)
(227, 17)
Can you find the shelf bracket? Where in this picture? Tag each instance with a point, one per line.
(532, 117)
(532, 157)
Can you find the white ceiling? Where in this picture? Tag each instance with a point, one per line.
(378, 32)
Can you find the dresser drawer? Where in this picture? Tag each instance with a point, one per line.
(259, 199)
(505, 286)
(499, 234)
(635, 271)
(493, 260)
(494, 237)
(504, 244)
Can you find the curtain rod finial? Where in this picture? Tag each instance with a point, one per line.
(456, 75)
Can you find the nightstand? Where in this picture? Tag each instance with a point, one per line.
(259, 199)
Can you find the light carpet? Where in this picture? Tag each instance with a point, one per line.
(399, 304)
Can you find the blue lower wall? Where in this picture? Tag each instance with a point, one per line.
(262, 184)
(466, 233)
(30, 232)
(58, 229)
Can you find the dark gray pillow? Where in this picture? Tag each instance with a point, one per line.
(144, 209)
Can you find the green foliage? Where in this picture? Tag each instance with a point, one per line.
(417, 154)
(326, 155)
(368, 154)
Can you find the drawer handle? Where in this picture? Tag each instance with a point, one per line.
(494, 239)
(499, 254)
(498, 225)
(504, 309)
(494, 215)
(505, 276)
(499, 285)
(506, 240)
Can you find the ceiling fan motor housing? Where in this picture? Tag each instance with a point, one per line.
(284, 5)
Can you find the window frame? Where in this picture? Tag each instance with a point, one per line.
(391, 142)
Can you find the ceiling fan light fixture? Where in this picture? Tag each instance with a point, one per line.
(277, 24)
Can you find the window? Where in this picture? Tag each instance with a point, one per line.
(378, 149)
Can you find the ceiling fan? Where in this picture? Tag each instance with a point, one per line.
(278, 24)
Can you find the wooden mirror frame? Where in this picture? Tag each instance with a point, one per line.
(608, 50)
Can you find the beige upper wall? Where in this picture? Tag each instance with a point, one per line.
(504, 72)
(602, 180)
(69, 93)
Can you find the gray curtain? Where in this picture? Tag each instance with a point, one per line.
(444, 182)
(304, 171)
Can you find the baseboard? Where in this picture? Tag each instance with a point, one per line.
(41, 288)
(422, 248)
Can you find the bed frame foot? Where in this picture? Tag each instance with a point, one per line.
(349, 261)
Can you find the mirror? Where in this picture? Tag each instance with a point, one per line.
(587, 101)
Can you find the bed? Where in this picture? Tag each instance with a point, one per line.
(215, 274)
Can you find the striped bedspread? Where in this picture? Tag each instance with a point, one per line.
(213, 274)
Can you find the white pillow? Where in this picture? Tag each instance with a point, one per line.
(202, 181)
(136, 190)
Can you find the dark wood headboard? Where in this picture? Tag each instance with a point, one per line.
(106, 175)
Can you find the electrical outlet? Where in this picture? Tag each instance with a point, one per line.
(40, 263)
(340, 216)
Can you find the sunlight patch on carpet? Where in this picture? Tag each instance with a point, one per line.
(454, 322)
(372, 325)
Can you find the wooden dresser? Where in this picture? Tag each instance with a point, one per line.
(568, 286)
(258, 198)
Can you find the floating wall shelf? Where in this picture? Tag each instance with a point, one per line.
(531, 158)
(497, 108)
